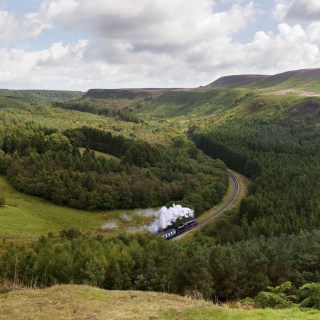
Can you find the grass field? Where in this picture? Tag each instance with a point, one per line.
(88, 303)
(101, 154)
(28, 217)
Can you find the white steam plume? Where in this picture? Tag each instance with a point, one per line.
(110, 225)
(125, 217)
(167, 216)
(147, 213)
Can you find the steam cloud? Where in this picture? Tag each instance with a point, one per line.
(167, 216)
(147, 213)
(125, 217)
(110, 225)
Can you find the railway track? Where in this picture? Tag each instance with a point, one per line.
(227, 205)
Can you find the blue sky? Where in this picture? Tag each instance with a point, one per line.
(79, 44)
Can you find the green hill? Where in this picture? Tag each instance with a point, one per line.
(285, 95)
(43, 95)
(130, 94)
(84, 302)
(307, 79)
(237, 81)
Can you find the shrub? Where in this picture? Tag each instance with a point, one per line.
(310, 293)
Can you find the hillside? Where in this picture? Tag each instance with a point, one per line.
(130, 94)
(229, 97)
(237, 81)
(43, 95)
(84, 302)
(307, 79)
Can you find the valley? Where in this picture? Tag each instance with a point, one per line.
(80, 172)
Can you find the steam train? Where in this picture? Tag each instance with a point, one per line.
(173, 231)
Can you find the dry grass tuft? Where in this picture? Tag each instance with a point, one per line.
(236, 304)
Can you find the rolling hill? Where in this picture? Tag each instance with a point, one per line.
(43, 95)
(237, 81)
(227, 97)
(308, 79)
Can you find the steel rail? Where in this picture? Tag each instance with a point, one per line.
(235, 184)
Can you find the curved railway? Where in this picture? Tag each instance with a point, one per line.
(235, 184)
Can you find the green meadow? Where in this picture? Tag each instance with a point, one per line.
(29, 217)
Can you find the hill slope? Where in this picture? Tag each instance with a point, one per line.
(302, 79)
(84, 302)
(237, 81)
(308, 79)
(43, 95)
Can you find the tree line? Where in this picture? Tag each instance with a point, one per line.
(48, 163)
(147, 262)
(283, 162)
(120, 114)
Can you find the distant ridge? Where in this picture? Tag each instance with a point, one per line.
(43, 95)
(129, 94)
(234, 81)
(288, 79)
(308, 79)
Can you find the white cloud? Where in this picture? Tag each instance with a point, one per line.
(151, 43)
(313, 31)
(297, 9)
(14, 29)
(290, 48)
(57, 67)
(54, 11)
(148, 25)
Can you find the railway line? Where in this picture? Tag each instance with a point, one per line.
(235, 185)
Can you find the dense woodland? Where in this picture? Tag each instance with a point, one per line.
(48, 163)
(146, 262)
(104, 110)
(283, 162)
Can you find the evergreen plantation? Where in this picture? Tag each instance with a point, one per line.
(283, 162)
(142, 150)
(49, 164)
(149, 263)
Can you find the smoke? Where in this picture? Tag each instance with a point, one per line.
(125, 217)
(147, 213)
(167, 216)
(110, 225)
(134, 230)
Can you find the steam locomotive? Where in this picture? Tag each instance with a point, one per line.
(173, 231)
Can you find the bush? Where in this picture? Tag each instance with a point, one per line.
(2, 200)
(275, 298)
(310, 293)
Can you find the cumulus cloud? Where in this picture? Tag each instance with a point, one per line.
(313, 31)
(297, 9)
(14, 28)
(290, 48)
(56, 67)
(152, 43)
(142, 41)
(158, 26)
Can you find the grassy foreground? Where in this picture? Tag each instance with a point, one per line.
(84, 302)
